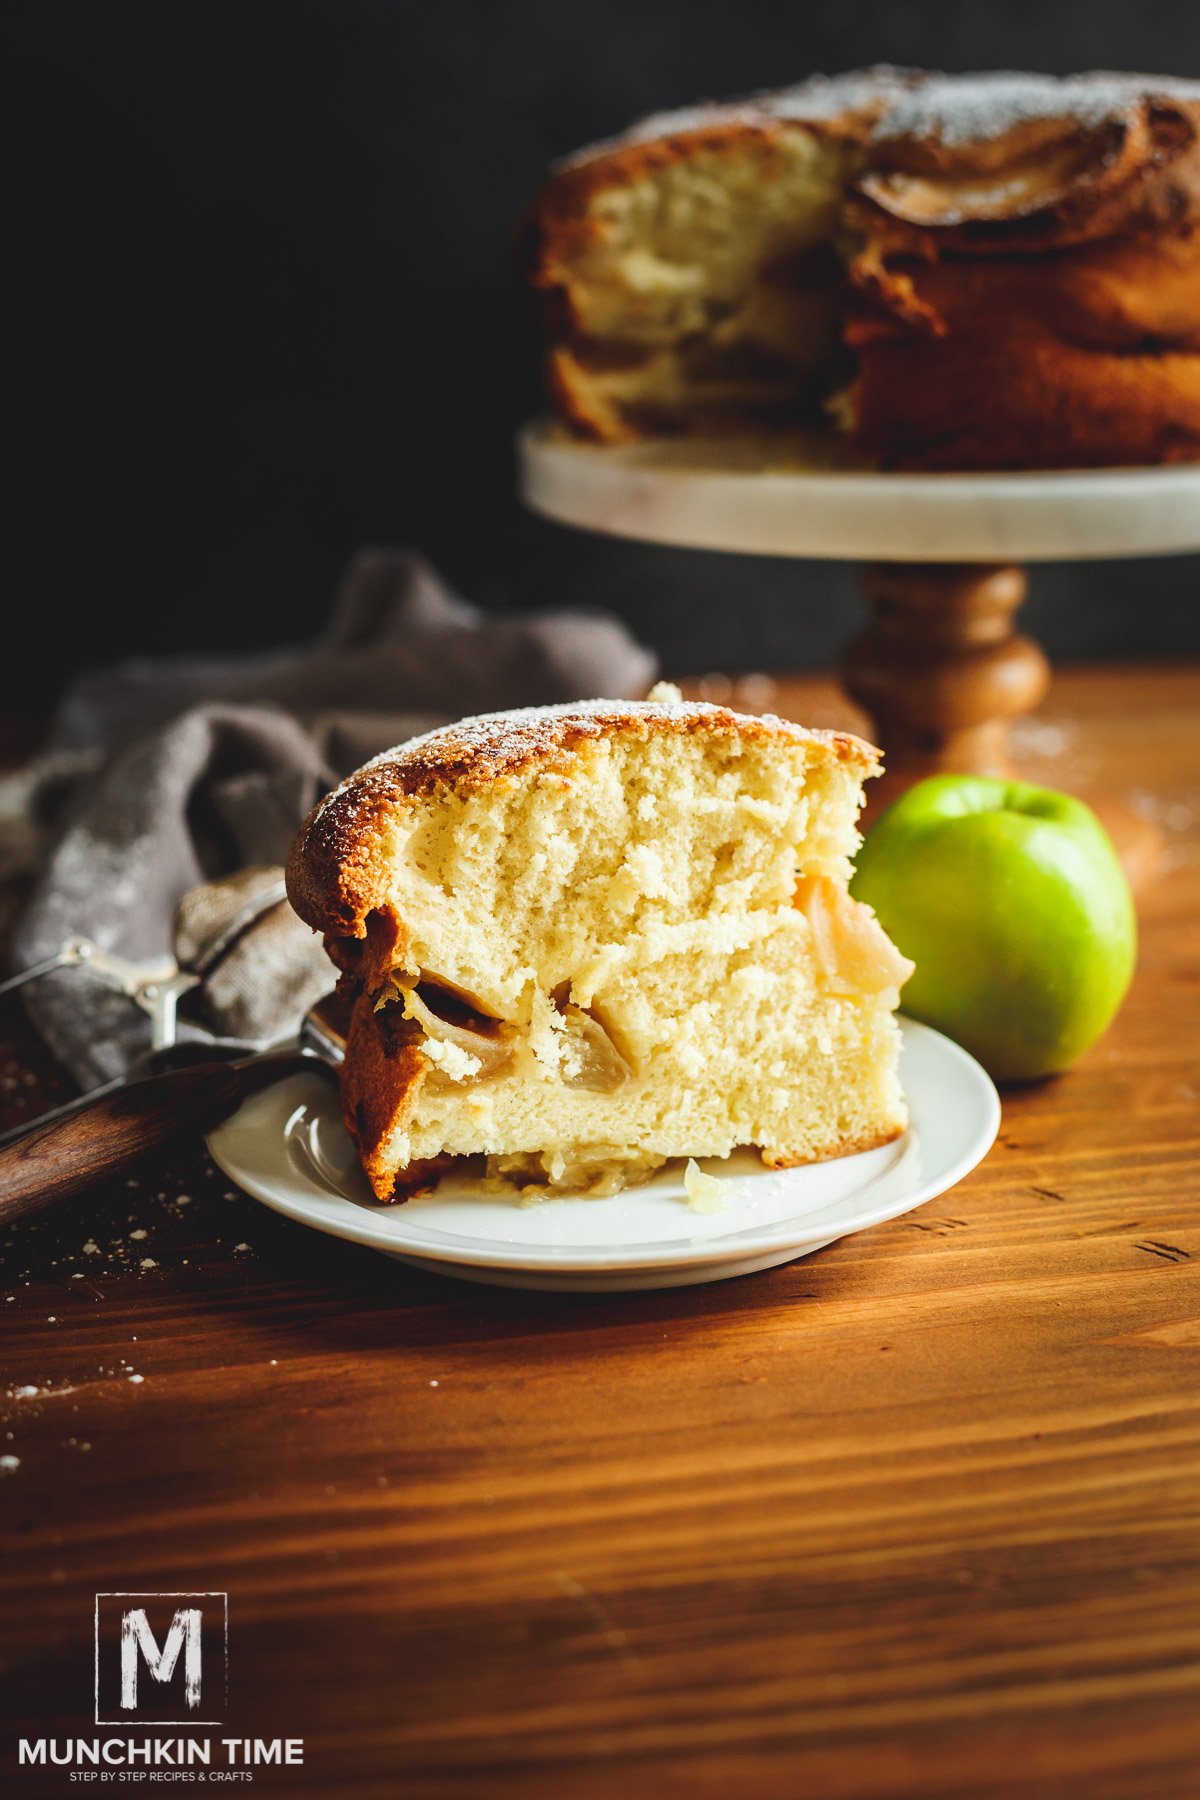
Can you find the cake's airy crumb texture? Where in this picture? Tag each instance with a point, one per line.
(587, 939)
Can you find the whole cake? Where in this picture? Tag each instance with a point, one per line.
(963, 271)
(587, 939)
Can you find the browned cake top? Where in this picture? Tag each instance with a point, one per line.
(964, 111)
(849, 102)
(956, 112)
(332, 874)
(946, 150)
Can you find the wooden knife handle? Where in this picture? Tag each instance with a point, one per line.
(95, 1142)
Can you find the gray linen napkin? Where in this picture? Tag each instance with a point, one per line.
(191, 778)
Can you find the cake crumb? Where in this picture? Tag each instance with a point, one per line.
(9, 1463)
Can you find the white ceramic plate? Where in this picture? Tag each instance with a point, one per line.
(287, 1147)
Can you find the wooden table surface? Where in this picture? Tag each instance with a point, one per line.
(916, 1517)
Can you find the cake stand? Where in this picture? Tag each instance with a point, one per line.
(940, 670)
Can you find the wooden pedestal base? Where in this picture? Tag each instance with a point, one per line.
(942, 673)
(941, 670)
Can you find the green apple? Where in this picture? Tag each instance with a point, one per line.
(1012, 904)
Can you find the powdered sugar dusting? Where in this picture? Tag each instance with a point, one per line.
(505, 737)
(857, 94)
(504, 733)
(887, 103)
(959, 110)
(820, 99)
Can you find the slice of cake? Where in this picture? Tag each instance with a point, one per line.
(585, 939)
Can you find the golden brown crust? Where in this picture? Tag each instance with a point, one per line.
(1062, 329)
(335, 877)
(870, 1140)
(381, 1081)
(1027, 291)
(1085, 359)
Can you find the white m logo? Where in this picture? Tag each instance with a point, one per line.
(151, 1652)
(137, 1640)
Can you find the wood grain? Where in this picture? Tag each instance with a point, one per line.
(915, 1519)
(119, 1131)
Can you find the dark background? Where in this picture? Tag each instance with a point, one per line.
(259, 310)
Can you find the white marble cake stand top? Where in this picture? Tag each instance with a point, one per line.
(788, 496)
